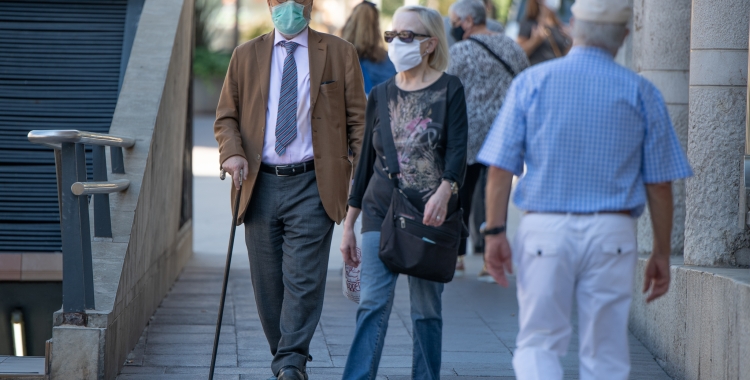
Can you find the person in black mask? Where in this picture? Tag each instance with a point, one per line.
(490, 23)
(486, 63)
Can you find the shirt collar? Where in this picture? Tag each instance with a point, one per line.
(301, 38)
(590, 51)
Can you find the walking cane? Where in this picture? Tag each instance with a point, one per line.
(226, 273)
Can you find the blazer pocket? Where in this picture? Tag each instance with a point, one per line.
(329, 86)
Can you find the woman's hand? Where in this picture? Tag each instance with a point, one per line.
(349, 247)
(348, 241)
(539, 33)
(437, 206)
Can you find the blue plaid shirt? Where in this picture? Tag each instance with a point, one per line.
(590, 132)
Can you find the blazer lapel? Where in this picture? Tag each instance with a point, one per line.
(263, 52)
(317, 53)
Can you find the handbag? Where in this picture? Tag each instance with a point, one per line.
(406, 245)
(350, 280)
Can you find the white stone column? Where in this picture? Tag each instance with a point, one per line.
(716, 134)
(660, 46)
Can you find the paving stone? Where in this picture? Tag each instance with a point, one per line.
(180, 316)
(189, 360)
(175, 377)
(129, 369)
(260, 362)
(477, 357)
(160, 338)
(191, 329)
(341, 349)
(259, 373)
(469, 372)
(189, 349)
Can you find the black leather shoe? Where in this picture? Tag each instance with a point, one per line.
(291, 373)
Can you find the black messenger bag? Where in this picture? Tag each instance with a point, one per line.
(406, 245)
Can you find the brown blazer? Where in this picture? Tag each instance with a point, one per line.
(338, 114)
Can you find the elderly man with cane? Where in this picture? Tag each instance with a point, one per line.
(291, 108)
(598, 145)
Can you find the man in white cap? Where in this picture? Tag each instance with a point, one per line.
(598, 145)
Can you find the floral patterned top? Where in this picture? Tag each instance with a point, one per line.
(486, 80)
(429, 128)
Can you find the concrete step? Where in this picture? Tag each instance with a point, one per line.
(22, 368)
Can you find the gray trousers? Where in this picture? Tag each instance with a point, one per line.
(288, 236)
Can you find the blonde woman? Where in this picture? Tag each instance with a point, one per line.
(428, 121)
(362, 30)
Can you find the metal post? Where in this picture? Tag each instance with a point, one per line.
(85, 227)
(74, 300)
(102, 222)
(58, 174)
(115, 155)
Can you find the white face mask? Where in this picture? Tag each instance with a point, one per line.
(553, 5)
(404, 55)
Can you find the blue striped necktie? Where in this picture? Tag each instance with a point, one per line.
(286, 118)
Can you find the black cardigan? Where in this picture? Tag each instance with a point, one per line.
(371, 188)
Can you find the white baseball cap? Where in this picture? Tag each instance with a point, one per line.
(604, 11)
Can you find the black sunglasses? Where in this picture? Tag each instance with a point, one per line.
(406, 36)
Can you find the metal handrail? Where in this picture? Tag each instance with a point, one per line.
(55, 138)
(73, 190)
(74, 136)
(51, 145)
(90, 188)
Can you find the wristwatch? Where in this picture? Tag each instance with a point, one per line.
(492, 231)
(454, 185)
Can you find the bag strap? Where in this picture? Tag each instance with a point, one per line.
(507, 66)
(389, 147)
(553, 43)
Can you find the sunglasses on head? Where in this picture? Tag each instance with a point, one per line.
(406, 36)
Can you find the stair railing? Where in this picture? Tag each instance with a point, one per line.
(73, 191)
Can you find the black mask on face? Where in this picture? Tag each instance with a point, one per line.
(457, 32)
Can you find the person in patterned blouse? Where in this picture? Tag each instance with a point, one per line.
(427, 110)
(486, 62)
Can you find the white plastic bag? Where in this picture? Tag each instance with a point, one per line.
(350, 278)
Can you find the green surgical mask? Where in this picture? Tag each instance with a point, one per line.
(289, 18)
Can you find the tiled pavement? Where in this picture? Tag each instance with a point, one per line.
(480, 325)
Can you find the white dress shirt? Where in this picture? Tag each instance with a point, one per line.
(300, 149)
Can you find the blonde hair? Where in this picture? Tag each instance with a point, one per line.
(433, 25)
(362, 30)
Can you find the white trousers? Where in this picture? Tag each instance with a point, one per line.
(559, 256)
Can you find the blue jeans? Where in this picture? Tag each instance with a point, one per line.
(377, 288)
